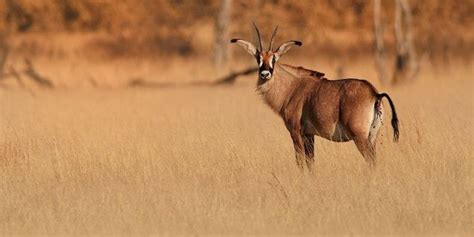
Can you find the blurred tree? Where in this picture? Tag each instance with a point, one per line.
(4, 50)
(17, 15)
(406, 64)
(380, 56)
(30, 71)
(221, 55)
(70, 14)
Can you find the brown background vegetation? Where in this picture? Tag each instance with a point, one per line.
(164, 27)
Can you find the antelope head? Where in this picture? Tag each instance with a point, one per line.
(266, 60)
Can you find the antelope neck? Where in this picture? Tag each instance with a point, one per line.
(277, 91)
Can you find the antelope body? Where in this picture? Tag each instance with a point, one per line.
(310, 105)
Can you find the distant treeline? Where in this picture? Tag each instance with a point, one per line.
(171, 26)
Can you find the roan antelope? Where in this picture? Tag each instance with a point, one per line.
(309, 104)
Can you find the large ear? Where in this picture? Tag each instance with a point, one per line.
(251, 49)
(286, 46)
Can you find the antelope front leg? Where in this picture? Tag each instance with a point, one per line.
(309, 150)
(298, 144)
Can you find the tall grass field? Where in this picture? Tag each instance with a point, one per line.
(217, 161)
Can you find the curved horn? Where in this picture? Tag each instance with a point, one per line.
(270, 48)
(259, 38)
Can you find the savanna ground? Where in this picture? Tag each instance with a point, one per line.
(215, 160)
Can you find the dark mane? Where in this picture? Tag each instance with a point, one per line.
(301, 71)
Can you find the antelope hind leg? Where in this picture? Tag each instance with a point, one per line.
(367, 150)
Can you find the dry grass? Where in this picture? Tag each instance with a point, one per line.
(218, 161)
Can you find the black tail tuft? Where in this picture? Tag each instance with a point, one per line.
(396, 132)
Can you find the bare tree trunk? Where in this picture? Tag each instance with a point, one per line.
(222, 34)
(380, 55)
(406, 64)
(414, 63)
(4, 50)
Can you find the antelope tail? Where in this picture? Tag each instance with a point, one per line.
(396, 132)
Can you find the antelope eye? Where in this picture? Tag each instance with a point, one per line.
(273, 61)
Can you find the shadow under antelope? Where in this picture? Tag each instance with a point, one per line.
(309, 104)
